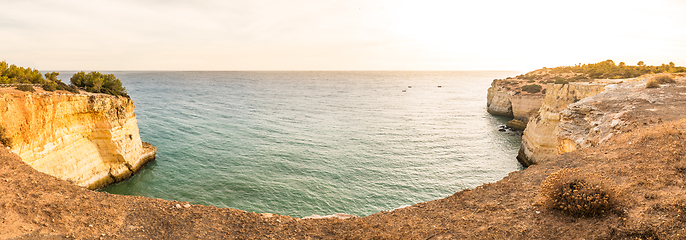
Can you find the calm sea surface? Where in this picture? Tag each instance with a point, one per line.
(303, 143)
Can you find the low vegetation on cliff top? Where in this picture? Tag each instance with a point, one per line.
(603, 70)
(583, 73)
(94, 82)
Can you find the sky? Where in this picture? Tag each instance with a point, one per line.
(338, 34)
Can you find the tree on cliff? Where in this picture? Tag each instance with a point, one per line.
(14, 74)
(99, 83)
(52, 76)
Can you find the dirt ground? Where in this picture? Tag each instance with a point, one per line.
(647, 163)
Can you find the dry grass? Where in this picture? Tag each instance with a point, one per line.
(4, 139)
(652, 84)
(656, 80)
(663, 78)
(578, 194)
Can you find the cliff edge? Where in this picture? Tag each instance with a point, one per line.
(88, 139)
(539, 140)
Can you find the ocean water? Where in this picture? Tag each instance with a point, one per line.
(303, 143)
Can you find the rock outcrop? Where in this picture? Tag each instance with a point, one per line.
(90, 140)
(540, 137)
(504, 102)
(620, 108)
(498, 102)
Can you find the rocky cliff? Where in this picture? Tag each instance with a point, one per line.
(90, 140)
(502, 101)
(540, 137)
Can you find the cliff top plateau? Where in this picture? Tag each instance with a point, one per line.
(628, 186)
(533, 83)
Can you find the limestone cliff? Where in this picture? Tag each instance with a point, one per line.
(504, 102)
(540, 139)
(498, 102)
(89, 139)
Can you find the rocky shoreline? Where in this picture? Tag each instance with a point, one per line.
(630, 135)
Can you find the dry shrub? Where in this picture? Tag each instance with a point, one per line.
(4, 139)
(652, 84)
(579, 194)
(663, 79)
(656, 80)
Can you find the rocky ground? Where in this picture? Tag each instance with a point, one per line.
(646, 161)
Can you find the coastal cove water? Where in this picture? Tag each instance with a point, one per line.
(303, 143)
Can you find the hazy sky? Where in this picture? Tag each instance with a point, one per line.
(338, 34)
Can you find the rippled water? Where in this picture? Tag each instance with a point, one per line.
(303, 143)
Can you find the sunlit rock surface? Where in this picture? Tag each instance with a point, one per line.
(89, 139)
(540, 139)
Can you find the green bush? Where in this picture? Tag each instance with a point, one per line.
(14, 74)
(49, 86)
(92, 82)
(5, 80)
(65, 87)
(96, 82)
(579, 194)
(26, 88)
(52, 76)
(532, 88)
(560, 80)
(578, 78)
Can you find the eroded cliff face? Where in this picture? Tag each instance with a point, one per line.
(540, 139)
(498, 102)
(89, 139)
(504, 102)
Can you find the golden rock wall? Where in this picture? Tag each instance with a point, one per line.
(89, 139)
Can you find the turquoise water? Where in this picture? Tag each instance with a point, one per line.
(303, 143)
